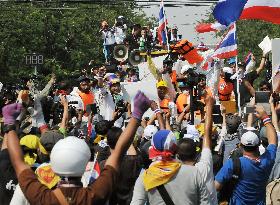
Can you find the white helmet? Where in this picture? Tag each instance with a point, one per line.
(150, 131)
(69, 157)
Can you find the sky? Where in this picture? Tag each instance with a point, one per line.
(184, 14)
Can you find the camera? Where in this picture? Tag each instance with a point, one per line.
(121, 106)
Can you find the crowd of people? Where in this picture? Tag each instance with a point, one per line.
(134, 37)
(81, 142)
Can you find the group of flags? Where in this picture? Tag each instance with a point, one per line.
(226, 13)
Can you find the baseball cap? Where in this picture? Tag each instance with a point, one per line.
(50, 138)
(149, 131)
(227, 70)
(185, 68)
(250, 139)
(231, 61)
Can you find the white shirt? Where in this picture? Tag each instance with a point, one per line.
(108, 37)
(119, 35)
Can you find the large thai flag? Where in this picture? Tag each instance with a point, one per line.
(267, 10)
(228, 11)
(162, 25)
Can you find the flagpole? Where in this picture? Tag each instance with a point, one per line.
(237, 78)
(165, 27)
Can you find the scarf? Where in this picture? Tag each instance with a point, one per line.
(160, 173)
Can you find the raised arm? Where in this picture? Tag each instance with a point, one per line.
(270, 130)
(141, 105)
(261, 67)
(10, 113)
(64, 120)
(159, 117)
(208, 122)
(274, 117)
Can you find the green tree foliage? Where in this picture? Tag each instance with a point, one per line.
(66, 34)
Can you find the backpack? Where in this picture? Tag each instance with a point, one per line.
(227, 189)
(272, 192)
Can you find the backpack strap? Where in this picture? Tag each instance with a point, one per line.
(236, 169)
(164, 194)
(60, 197)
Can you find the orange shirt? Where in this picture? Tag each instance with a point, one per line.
(87, 98)
(225, 89)
(164, 104)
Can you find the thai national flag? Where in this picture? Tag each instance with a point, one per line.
(228, 11)
(162, 25)
(226, 49)
(248, 58)
(267, 10)
(228, 46)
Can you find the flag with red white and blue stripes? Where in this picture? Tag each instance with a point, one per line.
(162, 33)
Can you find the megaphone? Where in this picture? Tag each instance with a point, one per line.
(120, 52)
(135, 58)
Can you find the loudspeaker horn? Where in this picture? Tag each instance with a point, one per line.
(120, 52)
(135, 58)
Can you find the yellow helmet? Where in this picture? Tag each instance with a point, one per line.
(162, 83)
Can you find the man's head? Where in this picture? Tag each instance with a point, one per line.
(226, 73)
(149, 132)
(69, 157)
(202, 81)
(49, 138)
(187, 150)
(265, 86)
(102, 127)
(113, 136)
(162, 89)
(250, 141)
(164, 144)
(104, 25)
(114, 84)
(84, 84)
(232, 123)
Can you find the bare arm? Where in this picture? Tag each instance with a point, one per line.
(208, 123)
(249, 87)
(15, 153)
(261, 67)
(64, 120)
(270, 130)
(218, 186)
(274, 118)
(183, 114)
(159, 117)
(251, 116)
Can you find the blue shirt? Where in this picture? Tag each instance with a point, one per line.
(250, 189)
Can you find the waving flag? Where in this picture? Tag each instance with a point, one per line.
(228, 11)
(228, 46)
(162, 25)
(267, 10)
(226, 49)
(207, 27)
(248, 58)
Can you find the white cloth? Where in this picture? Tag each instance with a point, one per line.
(119, 35)
(205, 167)
(18, 197)
(108, 37)
(105, 102)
